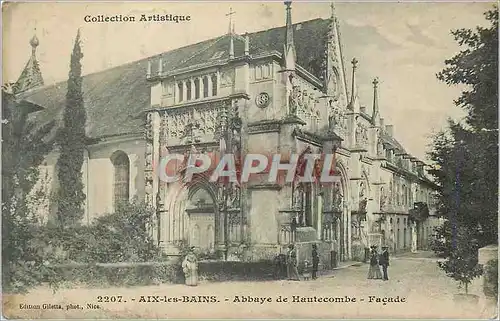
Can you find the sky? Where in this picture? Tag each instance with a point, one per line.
(404, 45)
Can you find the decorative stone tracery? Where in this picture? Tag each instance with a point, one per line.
(193, 122)
(148, 168)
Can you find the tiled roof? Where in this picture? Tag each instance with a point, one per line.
(114, 98)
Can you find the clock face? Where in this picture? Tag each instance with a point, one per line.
(262, 100)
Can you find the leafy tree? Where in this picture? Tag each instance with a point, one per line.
(23, 150)
(71, 139)
(466, 154)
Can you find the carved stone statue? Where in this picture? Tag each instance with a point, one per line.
(234, 199)
(358, 134)
(383, 200)
(297, 197)
(337, 198)
(293, 96)
(331, 122)
(300, 98)
(305, 100)
(380, 148)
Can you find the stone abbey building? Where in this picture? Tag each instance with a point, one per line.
(282, 90)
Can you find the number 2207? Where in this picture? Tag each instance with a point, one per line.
(107, 299)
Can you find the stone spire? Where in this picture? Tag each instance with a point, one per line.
(31, 76)
(289, 53)
(375, 113)
(231, 33)
(354, 89)
(334, 78)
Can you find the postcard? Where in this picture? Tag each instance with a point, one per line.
(242, 160)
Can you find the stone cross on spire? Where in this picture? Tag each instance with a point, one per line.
(332, 10)
(229, 14)
(354, 62)
(354, 94)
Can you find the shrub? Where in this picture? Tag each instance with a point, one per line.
(122, 236)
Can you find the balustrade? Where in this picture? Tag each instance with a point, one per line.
(197, 88)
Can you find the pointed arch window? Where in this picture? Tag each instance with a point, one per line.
(188, 90)
(180, 87)
(197, 88)
(214, 85)
(121, 180)
(205, 87)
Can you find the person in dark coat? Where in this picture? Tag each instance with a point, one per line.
(315, 259)
(384, 261)
(374, 269)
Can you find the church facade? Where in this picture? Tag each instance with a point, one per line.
(278, 91)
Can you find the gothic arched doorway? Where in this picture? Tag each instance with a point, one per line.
(200, 211)
(192, 215)
(335, 220)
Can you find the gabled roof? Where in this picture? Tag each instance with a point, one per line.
(114, 98)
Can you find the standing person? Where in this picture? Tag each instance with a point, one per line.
(384, 261)
(374, 269)
(293, 273)
(315, 259)
(190, 268)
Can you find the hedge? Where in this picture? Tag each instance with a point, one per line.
(153, 273)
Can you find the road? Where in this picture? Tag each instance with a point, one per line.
(422, 289)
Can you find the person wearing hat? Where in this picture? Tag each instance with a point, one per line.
(293, 273)
(374, 269)
(190, 267)
(315, 261)
(384, 261)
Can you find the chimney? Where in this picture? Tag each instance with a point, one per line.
(160, 66)
(390, 130)
(148, 73)
(362, 110)
(247, 45)
(382, 123)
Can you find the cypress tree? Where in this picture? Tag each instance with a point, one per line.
(71, 140)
